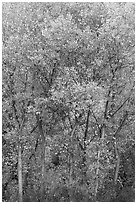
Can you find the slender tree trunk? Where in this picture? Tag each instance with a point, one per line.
(71, 163)
(117, 163)
(20, 129)
(116, 147)
(42, 137)
(20, 172)
(84, 168)
(20, 161)
(43, 172)
(97, 174)
(98, 160)
(70, 178)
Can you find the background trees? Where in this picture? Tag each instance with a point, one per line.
(68, 101)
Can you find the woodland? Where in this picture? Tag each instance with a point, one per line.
(68, 102)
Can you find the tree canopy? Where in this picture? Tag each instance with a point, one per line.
(68, 101)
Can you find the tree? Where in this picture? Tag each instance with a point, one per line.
(68, 90)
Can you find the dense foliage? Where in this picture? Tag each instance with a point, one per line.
(68, 102)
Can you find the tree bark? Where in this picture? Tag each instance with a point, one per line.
(20, 172)
(84, 168)
(20, 184)
(117, 164)
(71, 162)
(98, 160)
(42, 137)
(97, 174)
(116, 147)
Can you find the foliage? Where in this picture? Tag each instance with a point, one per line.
(68, 91)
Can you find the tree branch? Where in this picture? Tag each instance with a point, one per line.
(86, 129)
(91, 139)
(34, 128)
(119, 107)
(120, 127)
(15, 112)
(82, 148)
(122, 104)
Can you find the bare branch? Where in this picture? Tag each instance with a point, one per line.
(119, 107)
(121, 125)
(34, 128)
(91, 139)
(81, 146)
(122, 103)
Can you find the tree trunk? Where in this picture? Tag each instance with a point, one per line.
(70, 179)
(20, 161)
(84, 167)
(20, 172)
(116, 146)
(71, 163)
(117, 163)
(98, 160)
(97, 174)
(42, 137)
